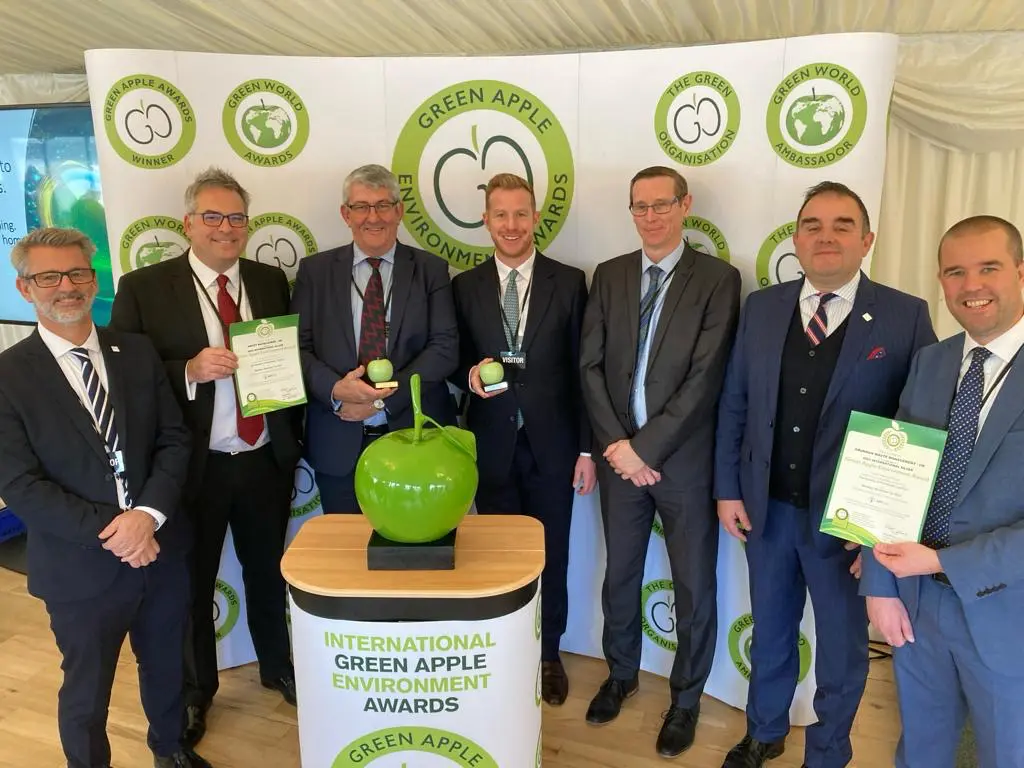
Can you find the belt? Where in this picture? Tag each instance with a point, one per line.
(943, 579)
(375, 430)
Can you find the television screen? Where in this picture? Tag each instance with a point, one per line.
(49, 177)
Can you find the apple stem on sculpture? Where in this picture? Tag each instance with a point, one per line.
(418, 419)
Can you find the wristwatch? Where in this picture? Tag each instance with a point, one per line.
(378, 404)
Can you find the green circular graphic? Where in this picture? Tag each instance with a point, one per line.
(265, 134)
(537, 689)
(413, 738)
(711, 232)
(656, 527)
(774, 271)
(146, 241)
(148, 121)
(817, 116)
(738, 631)
(226, 623)
(280, 252)
(537, 618)
(660, 627)
(458, 99)
(677, 133)
(539, 748)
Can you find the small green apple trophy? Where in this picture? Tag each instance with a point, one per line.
(380, 372)
(492, 376)
(415, 486)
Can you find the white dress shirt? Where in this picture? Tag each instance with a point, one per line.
(525, 275)
(1003, 350)
(836, 310)
(72, 369)
(224, 429)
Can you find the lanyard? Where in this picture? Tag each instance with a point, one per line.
(216, 311)
(661, 288)
(999, 379)
(522, 307)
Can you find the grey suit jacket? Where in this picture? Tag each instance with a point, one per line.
(685, 368)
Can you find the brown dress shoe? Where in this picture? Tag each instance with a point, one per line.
(554, 683)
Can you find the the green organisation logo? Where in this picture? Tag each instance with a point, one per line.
(697, 118)
(460, 137)
(305, 496)
(225, 609)
(658, 613)
(408, 746)
(741, 636)
(776, 258)
(266, 122)
(706, 237)
(148, 121)
(280, 240)
(816, 115)
(150, 240)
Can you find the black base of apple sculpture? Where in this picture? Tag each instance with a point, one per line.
(383, 554)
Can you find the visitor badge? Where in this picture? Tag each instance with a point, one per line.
(513, 358)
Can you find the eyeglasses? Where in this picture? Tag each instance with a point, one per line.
(80, 276)
(658, 206)
(214, 218)
(363, 209)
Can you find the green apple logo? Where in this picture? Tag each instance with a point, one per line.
(150, 240)
(224, 619)
(787, 268)
(700, 233)
(476, 155)
(280, 240)
(265, 122)
(415, 485)
(658, 613)
(277, 252)
(155, 127)
(740, 642)
(815, 120)
(146, 123)
(699, 118)
(267, 127)
(156, 251)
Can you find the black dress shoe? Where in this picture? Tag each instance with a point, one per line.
(605, 705)
(751, 753)
(195, 725)
(285, 685)
(554, 683)
(678, 730)
(184, 758)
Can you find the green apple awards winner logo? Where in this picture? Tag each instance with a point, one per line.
(816, 115)
(706, 237)
(407, 746)
(280, 240)
(148, 121)
(265, 122)
(776, 259)
(225, 609)
(458, 139)
(150, 240)
(658, 613)
(741, 636)
(697, 118)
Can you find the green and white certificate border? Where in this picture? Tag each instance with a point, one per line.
(249, 403)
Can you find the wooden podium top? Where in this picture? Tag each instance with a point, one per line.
(494, 554)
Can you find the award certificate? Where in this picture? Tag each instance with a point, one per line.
(269, 375)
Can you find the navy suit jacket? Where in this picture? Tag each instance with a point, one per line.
(884, 331)
(985, 559)
(548, 390)
(54, 470)
(423, 339)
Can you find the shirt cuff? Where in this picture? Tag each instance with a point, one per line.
(159, 517)
(336, 405)
(584, 455)
(190, 386)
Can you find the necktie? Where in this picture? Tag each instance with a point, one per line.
(101, 407)
(510, 306)
(650, 298)
(249, 427)
(960, 439)
(817, 329)
(373, 337)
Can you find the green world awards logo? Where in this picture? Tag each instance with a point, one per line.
(225, 609)
(280, 240)
(741, 636)
(776, 258)
(455, 142)
(265, 122)
(816, 115)
(658, 613)
(150, 240)
(697, 118)
(704, 236)
(408, 746)
(148, 121)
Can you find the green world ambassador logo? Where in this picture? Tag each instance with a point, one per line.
(150, 240)
(148, 121)
(392, 748)
(706, 237)
(265, 122)
(741, 636)
(225, 609)
(697, 118)
(816, 115)
(280, 240)
(658, 613)
(776, 258)
(460, 137)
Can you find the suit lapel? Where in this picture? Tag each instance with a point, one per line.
(253, 289)
(401, 282)
(858, 334)
(183, 284)
(488, 293)
(340, 277)
(684, 270)
(541, 292)
(631, 284)
(773, 335)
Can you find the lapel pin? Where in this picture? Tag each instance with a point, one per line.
(114, 349)
(867, 317)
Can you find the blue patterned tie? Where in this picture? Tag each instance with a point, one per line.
(962, 434)
(655, 276)
(510, 305)
(817, 328)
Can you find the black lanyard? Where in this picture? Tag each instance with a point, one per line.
(999, 379)
(216, 311)
(661, 288)
(504, 318)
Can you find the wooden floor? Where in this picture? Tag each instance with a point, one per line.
(253, 728)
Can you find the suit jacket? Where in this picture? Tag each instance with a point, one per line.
(548, 390)
(161, 302)
(423, 339)
(685, 366)
(884, 330)
(54, 470)
(983, 561)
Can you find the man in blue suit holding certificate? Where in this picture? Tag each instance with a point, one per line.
(807, 353)
(951, 606)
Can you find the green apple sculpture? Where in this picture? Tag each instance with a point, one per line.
(415, 485)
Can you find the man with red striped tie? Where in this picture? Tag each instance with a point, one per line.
(807, 353)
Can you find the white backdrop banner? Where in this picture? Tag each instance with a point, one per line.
(751, 126)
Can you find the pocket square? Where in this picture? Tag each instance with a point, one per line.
(877, 353)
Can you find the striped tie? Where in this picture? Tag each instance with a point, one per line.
(102, 410)
(655, 275)
(817, 329)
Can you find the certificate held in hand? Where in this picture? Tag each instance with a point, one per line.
(269, 375)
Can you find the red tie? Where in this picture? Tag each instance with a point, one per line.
(249, 427)
(373, 338)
